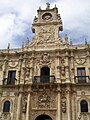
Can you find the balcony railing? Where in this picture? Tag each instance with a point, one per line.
(44, 79)
(82, 79)
(9, 81)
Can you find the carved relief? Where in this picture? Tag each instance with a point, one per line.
(63, 100)
(24, 103)
(22, 73)
(63, 105)
(1, 65)
(45, 59)
(5, 116)
(80, 61)
(46, 34)
(62, 67)
(13, 64)
(43, 101)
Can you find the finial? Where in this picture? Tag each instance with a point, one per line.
(66, 38)
(35, 19)
(22, 45)
(8, 46)
(55, 6)
(48, 5)
(85, 41)
(27, 41)
(70, 41)
(39, 7)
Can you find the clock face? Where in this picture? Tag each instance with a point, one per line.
(47, 16)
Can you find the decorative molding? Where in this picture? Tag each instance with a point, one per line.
(80, 61)
(1, 65)
(13, 64)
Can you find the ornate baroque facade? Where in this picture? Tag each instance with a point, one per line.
(47, 79)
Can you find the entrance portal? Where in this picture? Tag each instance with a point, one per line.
(43, 117)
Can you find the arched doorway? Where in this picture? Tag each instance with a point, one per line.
(43, 117)
(45, 74)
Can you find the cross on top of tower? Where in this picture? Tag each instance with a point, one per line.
(48, 5)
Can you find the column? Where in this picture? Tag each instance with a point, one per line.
(68, 103)
(74, 106)
(67, 68)
(58, 67)
(28, 107)
(18, 117)
(72, 67)
(59, 105)
(31, 72)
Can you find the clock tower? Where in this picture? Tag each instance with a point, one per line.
(46, 26)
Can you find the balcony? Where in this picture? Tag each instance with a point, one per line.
(82, 79)
(44, 79)
(9, 81)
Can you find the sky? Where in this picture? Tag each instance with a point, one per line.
(16, 17)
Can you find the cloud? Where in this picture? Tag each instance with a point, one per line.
(16, 18)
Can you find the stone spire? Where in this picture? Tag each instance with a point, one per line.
(70, 41)
(85, 41)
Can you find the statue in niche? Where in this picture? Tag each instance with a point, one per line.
(63, 104)
(24, 104)
(45, 58)
(62, 70)
(22, 73)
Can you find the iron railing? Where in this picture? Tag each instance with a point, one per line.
(44, 79)
(9, 81)
(82, 79)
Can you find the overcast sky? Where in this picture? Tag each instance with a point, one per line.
(16, 18)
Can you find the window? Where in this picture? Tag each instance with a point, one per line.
(6, 107)
(11, 77)
(81, 73)
(84, 106)
(45, 74)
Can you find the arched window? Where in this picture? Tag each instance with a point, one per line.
(84, 106)
(6, 107)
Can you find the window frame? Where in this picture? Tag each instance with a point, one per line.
(6, 107)
(84, 106)
(81, 74)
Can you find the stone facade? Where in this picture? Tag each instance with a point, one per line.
(48, 78)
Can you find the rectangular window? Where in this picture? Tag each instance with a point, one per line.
(11, 77)
(81, 73)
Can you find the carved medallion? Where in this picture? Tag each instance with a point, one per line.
(13, 64)
(80, 61)
(43, 101)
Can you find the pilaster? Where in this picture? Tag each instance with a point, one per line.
(68, 102)
(28, 105)
(59, 103)
(18, 116)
